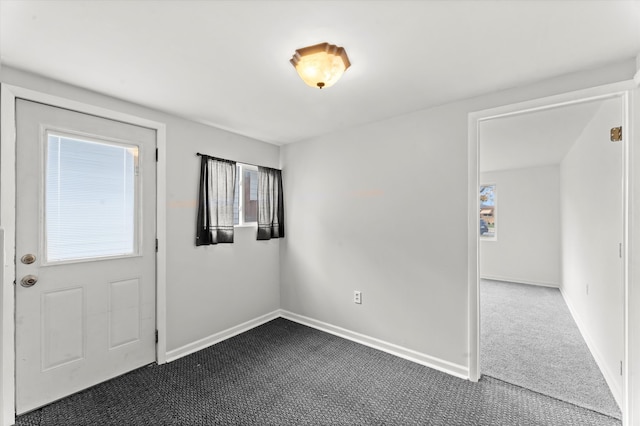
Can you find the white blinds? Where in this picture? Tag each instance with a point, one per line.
(90, 199)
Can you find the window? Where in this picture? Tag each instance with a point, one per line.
(245, 204)
(488, 212)
(90, 199)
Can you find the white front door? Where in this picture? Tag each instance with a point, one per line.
(85, 251)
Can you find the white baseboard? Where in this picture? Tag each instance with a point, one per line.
(220, 336)
(520, 281)
(408, 354)
(616, 390)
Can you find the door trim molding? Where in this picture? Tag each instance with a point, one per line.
(474, 119)
(8, 95)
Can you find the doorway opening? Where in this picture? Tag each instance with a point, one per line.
(552, 183)
(539, 174)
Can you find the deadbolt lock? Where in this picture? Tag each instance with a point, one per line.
(28, 259)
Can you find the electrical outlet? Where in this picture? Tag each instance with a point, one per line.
(357, 297)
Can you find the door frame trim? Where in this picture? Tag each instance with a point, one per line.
(622, 89)
(8, 96)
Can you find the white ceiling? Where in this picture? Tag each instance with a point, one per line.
(533, 139)
(226, 63)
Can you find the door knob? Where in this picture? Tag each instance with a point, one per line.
(28, 281)
(28, 259)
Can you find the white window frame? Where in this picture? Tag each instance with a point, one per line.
(138, 225)
(240, 179)
(494, 237)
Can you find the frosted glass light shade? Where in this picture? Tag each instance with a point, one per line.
(320, 65)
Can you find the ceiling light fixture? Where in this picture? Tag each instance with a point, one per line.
(320, 65)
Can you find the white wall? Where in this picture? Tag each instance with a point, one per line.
(209, 289)
(591, 206)
(382, 208)
(527, 249)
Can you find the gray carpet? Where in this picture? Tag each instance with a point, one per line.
(283, 373)
(530, 339)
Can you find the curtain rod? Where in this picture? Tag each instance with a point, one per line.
(224, 159)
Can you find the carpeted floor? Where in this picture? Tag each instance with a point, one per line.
(530, 339)
(283, 373)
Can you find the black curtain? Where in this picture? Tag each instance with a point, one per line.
(215, 201)
(270, 204)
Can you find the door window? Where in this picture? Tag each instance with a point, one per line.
(90, 198)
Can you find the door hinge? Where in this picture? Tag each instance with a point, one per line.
(156, 245)
(621, 368)
(157, 153)
(156, 336)
(620, 250)
(616, 134)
